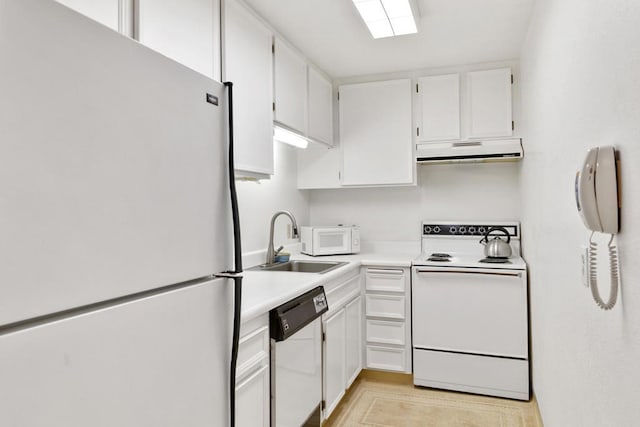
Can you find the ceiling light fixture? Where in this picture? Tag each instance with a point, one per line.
(286, 136)
(388, 18)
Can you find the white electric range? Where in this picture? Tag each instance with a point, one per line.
(469, 313)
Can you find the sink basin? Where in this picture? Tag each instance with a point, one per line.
(301, 266)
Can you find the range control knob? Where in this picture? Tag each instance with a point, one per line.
(482, 230)
(472, 230)
(452, 230)
(462, 230)
(427, 229)
(436, 229)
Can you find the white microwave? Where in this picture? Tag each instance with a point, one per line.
(330, 240)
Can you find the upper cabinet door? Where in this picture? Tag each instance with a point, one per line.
(290, 87)
(248, 64)
(375, 133)
(106, 12)
(182, 30)
(439, 97)
(489, 103)
(320, 113)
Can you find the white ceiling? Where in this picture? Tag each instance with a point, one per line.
(451, 32)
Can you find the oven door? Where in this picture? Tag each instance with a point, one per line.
(329, 241)
(470, 310)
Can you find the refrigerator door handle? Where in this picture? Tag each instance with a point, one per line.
(236, 274)
(232, 185)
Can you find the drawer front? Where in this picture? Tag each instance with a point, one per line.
(253, 347)
(472, 373)
(340, 295)
(385, 332)
(389, 306)
(386, 280)
(387, 358)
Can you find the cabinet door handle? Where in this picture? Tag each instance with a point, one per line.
(488, 273)
(389, 272)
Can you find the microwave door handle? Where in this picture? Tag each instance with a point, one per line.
(488, 273)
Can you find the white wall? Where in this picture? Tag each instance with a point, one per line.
(472, 191)
(259, 201)
(580, 88)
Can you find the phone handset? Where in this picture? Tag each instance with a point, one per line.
(596, 190)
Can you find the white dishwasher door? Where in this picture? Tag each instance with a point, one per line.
(298, 376)
(477, 311)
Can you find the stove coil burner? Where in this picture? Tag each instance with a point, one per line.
(495, 261)
(439, 257)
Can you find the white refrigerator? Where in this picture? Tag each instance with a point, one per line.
(116, 218)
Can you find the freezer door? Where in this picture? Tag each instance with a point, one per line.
(158, 361)
(113, 165)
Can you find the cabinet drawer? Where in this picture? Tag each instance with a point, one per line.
(385, 280)
(390, 306)
(253, 347)
(341, 294)
(387, 358)
(385, 332)
(497, 376)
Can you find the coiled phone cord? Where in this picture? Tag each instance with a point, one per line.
(593, 274)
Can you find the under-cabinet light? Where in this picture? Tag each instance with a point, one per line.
(387, 18)
(288, 137)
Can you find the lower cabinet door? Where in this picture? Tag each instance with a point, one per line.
(334, 360)
(253, 400)
(353, 312)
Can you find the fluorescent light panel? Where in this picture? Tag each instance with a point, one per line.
(288, 137)
(387, 18)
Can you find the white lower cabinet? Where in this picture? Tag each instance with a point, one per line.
(353, 313)
(253, 393)
(334, 360)
(252, 400)
(342, 338)
(388, 329)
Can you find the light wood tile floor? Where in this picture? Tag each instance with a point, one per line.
(390, 400)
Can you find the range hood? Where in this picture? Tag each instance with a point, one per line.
(499, 150)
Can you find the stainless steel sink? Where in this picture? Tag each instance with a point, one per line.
(301, 266)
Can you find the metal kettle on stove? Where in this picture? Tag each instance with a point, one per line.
(495, 246)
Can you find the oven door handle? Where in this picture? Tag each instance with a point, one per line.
(490, 273)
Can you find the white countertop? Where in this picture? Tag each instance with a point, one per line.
(265, 290)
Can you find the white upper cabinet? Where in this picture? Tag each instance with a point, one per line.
(320, 108)
(182, 30)
(439, 99)
(375, 133)
(319, 167)
(248, 64)
(106, 12)
(290, 87)
(489, 103)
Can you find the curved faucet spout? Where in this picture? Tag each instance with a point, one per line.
(271, 253)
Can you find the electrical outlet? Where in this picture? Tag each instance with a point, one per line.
(585, 265)
(289, 231)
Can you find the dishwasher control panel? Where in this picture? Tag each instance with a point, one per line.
(288, 318)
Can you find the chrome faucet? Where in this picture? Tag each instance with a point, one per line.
(271, 252)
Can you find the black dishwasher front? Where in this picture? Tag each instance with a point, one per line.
(296, 360)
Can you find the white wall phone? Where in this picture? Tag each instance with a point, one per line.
(596, 189)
